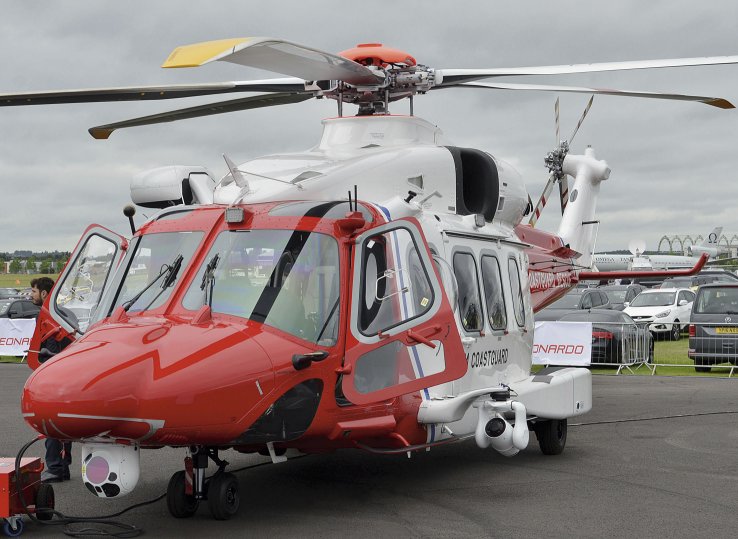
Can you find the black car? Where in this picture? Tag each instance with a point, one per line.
(616, 338)
(619, 294)
(18, 308)
(713, 326)
(577, 298)
(10, 293)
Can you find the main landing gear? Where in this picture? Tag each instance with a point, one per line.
(190, 486)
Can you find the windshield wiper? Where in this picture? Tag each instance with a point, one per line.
(208, 279)
(327, 320)
(170, 271)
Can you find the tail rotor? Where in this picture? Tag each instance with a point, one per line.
(554, 161)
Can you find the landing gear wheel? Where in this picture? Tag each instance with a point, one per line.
(223, 497)
(676, 331)
(180, 504)
(11, 531)
(44, 501)
(551, 435)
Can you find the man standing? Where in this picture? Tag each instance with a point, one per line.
(58, 453)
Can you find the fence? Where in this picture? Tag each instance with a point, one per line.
(626, 346)
(714, 345)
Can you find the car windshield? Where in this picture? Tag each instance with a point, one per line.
(570, 301)
(283, 278)
(717, 301)
(616, 296)
(653, 299)
(676, 283)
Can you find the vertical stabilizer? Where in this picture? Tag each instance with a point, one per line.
(578, 226)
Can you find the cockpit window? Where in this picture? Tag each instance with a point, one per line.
(328, 210)
(283, 278)
(155, 269)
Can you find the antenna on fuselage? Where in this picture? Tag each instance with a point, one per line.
(237, 176)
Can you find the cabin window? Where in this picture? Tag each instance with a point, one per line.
(494, 298)
(394, 286)
(470, 304)
(287, 279)
(517, 291)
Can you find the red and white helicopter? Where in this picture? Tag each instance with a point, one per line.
(376, 291)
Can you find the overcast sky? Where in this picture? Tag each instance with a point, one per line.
(674, 164)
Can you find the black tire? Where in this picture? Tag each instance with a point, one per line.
(223, 496)
(13, 532)
(676, 331)
(180, 505)
(700, 365)
(551, 435)
(45, 502)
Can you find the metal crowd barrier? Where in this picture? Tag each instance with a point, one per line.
(625, 346)
(714, 345)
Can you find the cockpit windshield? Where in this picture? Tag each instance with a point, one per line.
(154, 269)
(286, 279)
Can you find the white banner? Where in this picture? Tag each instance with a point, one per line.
(15, 336)
(562, 343)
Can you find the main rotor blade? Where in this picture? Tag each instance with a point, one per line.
(275, 55)
(454, 76)
(146, 93)
(713, 101)
(246, 103)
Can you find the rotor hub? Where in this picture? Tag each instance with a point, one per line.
(376, 54)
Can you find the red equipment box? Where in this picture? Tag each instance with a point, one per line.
(30, 470)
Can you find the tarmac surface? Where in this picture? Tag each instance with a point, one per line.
(656, 457)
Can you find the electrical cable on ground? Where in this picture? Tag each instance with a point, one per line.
(675, 416)
(126, 530)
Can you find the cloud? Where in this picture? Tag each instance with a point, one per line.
(673, 163)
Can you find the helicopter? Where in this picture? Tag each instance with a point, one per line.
(375, 292)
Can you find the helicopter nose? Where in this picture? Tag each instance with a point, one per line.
(136, 383)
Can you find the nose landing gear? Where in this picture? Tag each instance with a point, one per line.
(187, 487)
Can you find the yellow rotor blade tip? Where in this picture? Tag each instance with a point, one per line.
(199, 53)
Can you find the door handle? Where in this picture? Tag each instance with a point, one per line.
(411, 335)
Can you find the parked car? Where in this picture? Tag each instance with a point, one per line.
(693, 282)
(577, 298)
(619, 294)
(18, 308)
(616, 337)
(666, 310)
(10, 293)
(721, 274)
(713, 328)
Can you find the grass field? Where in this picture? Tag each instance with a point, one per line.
(20, 280)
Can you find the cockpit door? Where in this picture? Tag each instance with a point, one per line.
(403, 336)
(68, 309)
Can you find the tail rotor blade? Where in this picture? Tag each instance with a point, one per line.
(563, 192)
(542, 201)
(556, 113)
(584, 115)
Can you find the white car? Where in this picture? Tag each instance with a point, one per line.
(665, 310)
